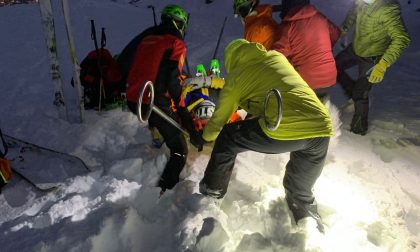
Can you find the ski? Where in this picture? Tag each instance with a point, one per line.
(24, 146)
(43, 189)
(50, 37)
(76, 66)
(45, 169)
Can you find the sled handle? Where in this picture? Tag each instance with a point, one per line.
(277, 94)
(153, 108)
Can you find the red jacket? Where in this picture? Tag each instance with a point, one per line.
(306, 37)
(261, 27)
(159, 57)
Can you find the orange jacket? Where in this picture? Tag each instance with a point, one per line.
(261, 27)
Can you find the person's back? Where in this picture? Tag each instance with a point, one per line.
(259, 25)
(306, 37)
(252, 71)
(156, 52)
(126, 57)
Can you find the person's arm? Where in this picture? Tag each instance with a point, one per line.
(400, 39)
(282, 42)
(227, 104)
(335, 32)
(349, 20)
(172, 72)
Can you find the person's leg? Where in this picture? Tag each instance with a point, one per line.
(178, 147)
(233, 139)
(302, 171)
(345, 60)
(304, 167)
(359, 123)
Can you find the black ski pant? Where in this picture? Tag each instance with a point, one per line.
(175, 141)
(358, 89)
(307, 157)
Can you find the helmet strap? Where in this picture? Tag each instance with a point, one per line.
(180, 29)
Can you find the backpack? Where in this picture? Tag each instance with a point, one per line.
(5, 168)
(90, 78)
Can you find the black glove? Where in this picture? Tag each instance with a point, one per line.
(197, 140)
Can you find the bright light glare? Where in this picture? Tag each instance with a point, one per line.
(271, 194)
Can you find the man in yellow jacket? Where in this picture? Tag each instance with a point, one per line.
(379, 38)
(304, 130)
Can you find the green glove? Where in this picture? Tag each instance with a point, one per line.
(378, 72)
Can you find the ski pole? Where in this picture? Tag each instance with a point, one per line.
(186, 60)
(103, 43)
(98, 57)
(93, 33)
(219, 38)
(153, 108)
(154, 14)
(103, 38)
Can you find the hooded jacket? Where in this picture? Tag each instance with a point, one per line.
(306, 38)
(379, 29)
(251, 72)
(261, 27)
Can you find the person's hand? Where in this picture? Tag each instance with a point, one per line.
(342, 40)
(197, 140)
(217, 83)
(198, 82)
(378, 72)
(204, 82)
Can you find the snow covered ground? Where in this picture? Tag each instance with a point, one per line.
(368, 193)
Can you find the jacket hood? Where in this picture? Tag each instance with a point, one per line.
(301, 12)
(240, 52)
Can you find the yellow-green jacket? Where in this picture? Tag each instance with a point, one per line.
(251, 72)
(379, 29)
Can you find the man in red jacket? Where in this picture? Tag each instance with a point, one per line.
(306, 38)
(159, 54)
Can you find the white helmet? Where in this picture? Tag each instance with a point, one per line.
(204, 110)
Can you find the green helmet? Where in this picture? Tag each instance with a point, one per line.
(175, 12)
(244, 7)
